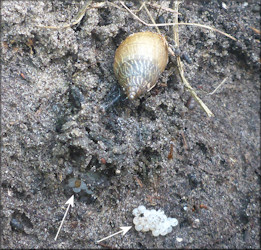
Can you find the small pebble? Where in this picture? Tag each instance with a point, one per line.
(196, 223)
(118, 171)
(179, 239)
(224, 6)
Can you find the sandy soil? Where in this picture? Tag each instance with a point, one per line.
(54, 85)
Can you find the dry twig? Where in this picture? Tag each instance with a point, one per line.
(180, 66)
(257, 31)
(213, 92)
(173, 24)
(151, 18)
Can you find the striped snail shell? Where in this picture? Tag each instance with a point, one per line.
(139, 61)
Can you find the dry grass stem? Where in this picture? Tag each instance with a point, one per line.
(257, 31)
(171, 24)
(175, 27)
(151, 18)
(180, 66)
(213, 92)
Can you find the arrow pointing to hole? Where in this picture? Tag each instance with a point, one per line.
(124, 230)
(70, 202)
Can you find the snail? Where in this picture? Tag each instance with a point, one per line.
(139, 61)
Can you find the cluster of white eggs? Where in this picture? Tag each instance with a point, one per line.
(153, 220)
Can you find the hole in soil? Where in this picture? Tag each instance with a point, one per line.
(77, 154)
(75, 97)
(87, 129)
(105, 17)
(202, 147)
(19, 221)
(163, 107)
(150, 154)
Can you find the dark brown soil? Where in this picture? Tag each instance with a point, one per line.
(54, 85)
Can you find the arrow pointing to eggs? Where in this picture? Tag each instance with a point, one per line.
(70, 202)
(124, 230)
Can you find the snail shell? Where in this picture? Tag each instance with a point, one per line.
(139, 61)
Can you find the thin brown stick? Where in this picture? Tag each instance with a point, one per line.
(171, 24)
(175, 27)
(151, 18)
(185, 144)
(180, 66)
(257, 31)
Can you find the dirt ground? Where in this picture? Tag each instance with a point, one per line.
(160, 151)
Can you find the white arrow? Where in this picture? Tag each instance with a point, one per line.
(70, 202)
(124, 230)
